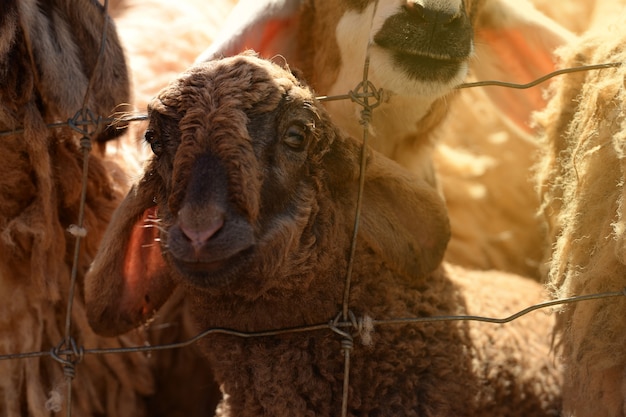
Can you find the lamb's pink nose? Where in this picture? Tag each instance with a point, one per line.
(199, 235)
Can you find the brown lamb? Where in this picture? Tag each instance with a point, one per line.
(248, 207)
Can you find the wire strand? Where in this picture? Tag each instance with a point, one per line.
(326, 326)
(323, 98)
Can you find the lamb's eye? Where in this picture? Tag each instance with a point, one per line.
(151, 137)
(295, 137)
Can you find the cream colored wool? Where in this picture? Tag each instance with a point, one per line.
(485, 168)
(581, 178)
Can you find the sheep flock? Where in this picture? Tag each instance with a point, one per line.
(518, 191)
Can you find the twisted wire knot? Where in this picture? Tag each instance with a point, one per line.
(347, 341)
(73, 356)
(366, 117)
(361, 95)
(85, 123)
(362, 327)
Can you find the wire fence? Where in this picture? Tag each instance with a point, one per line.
(69, 354)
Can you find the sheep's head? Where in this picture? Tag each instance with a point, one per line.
(249, 177)
(235, 142)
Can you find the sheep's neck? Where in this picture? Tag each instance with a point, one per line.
(276, 309)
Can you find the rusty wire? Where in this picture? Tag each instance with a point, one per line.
(345, 324)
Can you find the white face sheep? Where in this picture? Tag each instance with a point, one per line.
(581, 177)
(248, 206)
(419, 52)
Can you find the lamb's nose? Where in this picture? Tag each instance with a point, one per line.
(200, 234)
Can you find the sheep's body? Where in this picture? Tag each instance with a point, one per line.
(485, 167)
(255, 195)
(45, 70)
(581, 178)
(34, 300)
(443, 369)
(407, 370)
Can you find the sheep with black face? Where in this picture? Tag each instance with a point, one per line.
(248, 205)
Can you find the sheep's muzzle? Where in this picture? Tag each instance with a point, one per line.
(209, 239)
(428, 45)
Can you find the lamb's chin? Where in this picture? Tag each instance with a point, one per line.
(213, 274)
(406, 74)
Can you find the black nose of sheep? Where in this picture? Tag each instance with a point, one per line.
(209, 239)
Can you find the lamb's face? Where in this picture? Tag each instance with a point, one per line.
(234, 141)
(251, 195)
(418, 47)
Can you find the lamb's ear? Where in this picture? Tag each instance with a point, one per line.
(516, 43)
(268, 27)
(403, 218)
(128, 280)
